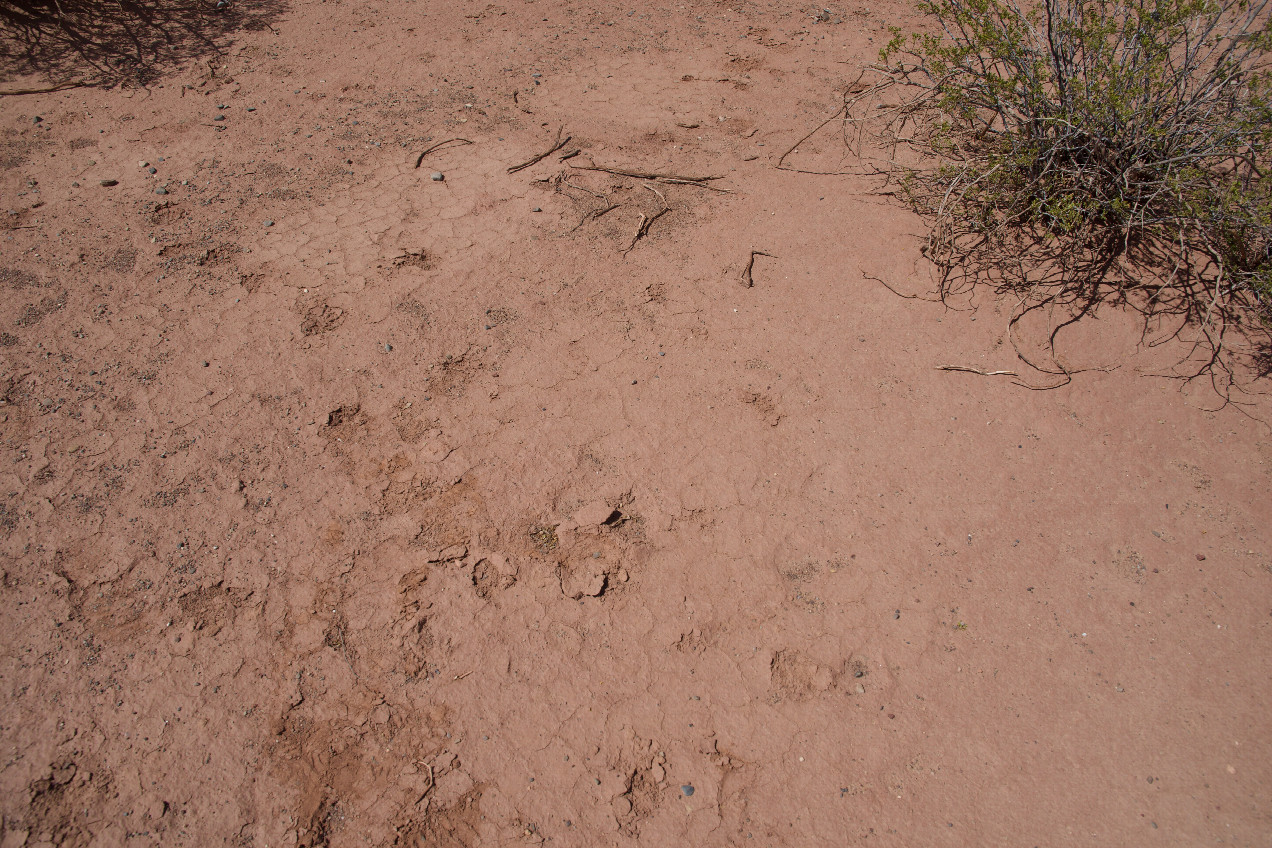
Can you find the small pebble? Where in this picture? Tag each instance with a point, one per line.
(1201, 557)
(161, 190)
(152, 170)
(109, 183)
(687, 789)
(219, 118)
(438, 177)
(251, 108)
(75, 185)
(537, 209)
(269, 223)
(388, 348)
(206, 363)
(36, 119)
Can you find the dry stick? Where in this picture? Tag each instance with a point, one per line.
(592, 216)
(657, 192)
(584, 188)
(976, 371)
(852, 95)
(557, 145)
(439, 146)
(431, 783)
(885, 284)
(747, 280)
(842, 110)
(781, 159)
(16, 92)
(642, 228)
(678, 179)
(344, 650)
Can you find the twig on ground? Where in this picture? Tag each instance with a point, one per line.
(642, 227)
(747, 279)
(595, 214)
(17, 92)
(674, 179)
(566, 182)
(344, 651)
(458, 142)
(655, 191)
(432, 782)
(887, 286)
(977, 371)
(557, 145)
(854, 93)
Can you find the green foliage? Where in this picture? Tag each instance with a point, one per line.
(1097, 142)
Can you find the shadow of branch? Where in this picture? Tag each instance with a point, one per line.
(101, 42)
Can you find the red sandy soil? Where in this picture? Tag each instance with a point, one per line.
(433, 514)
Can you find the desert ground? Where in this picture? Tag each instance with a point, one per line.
(359, 488)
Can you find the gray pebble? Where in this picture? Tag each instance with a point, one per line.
(269, 223)
(109, 183)
(219, 118)
(152, 170)
(251, 108)
(537, 209)
(687, 789)
(438, 176)
(161, 190)
(36, 119)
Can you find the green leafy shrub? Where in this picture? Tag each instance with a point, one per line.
(1077, 148)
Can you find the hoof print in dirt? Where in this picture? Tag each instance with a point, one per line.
(492, 576)
(641, 799)
(341, 415)
(765, 406)
(451, 553)
(321, 318)
(585, 578)
(598, 514)
(798, 677)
